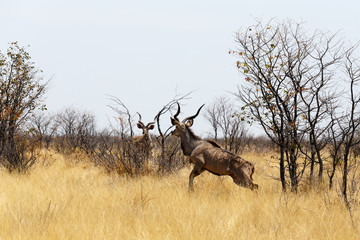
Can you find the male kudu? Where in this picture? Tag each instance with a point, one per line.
(208, 155)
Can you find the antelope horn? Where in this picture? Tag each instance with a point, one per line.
(177, 113)
(150, 123)
(194, 116)
(140, 119)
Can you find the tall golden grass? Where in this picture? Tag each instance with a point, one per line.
(69, 200)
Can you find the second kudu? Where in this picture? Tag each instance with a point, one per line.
(143, 143)
(210, 156)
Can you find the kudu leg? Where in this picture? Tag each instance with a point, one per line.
(197, 170)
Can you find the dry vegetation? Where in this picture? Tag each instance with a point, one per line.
(111, 185)
(67, 199)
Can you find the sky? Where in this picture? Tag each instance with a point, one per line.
(146, 52)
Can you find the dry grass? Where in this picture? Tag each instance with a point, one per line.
(79, 201)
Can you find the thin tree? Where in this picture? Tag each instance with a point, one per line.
(42, 127)
(352, 120)
(225, 120)
(283, 68)
(167, 153)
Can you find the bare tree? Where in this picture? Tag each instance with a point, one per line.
(343, 130)
(168, 146)
(288, 74)
(75, 129)
(225, 120)
(352, 119)
(121, 151)
(86, 131)
(212, 116)
(237, 134)
(336, 140)
(42, 127)
(66, 121)
(124, 114)
(314, 104)
(118, 154)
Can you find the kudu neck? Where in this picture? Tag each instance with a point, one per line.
(189, 141)
(147, 137)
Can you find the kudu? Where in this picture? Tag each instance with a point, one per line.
(143, 143)
(210, 156)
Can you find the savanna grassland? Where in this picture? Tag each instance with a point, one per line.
(62, 198)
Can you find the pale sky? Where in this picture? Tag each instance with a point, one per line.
(144, 52)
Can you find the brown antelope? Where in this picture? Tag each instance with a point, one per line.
(208, 155)
(143, 143)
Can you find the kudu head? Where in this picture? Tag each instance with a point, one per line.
(145, 128)
(183, 126)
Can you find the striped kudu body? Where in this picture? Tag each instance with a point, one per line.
(208, 155)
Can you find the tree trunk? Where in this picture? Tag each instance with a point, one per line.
(282, 169)
(293, 171)
(345, 173)
(332, 174)
(321, 165)
(312, 163)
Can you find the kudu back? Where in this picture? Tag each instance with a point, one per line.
(210, 156)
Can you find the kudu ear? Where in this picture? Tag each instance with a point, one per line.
(139, 125)
(189, 122)
(151, 127)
